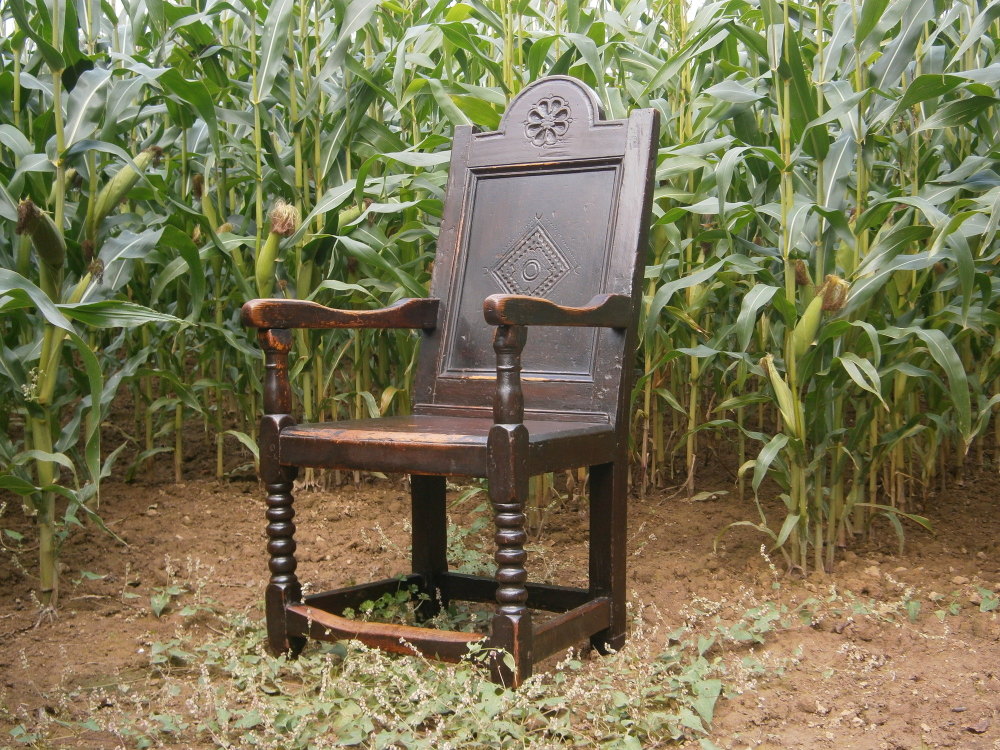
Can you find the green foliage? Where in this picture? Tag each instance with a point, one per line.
(211, 683)
(225, 691)
(800, 141)
(989, 600)
(161, 597)
(469, 549)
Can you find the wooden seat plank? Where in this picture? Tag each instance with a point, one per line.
(442, 444)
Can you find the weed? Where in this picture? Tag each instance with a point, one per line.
(191, 584)
(988, 600)
(161, 596)
(468, 552)
(225, 691)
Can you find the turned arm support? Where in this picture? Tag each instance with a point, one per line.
(603, 311)
(512, 313)
(297, 313)
(508, 399)
(276, 344)
(274, 317)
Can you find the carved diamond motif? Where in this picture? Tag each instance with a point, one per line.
(533, 264)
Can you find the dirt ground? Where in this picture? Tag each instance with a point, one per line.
(864, 670)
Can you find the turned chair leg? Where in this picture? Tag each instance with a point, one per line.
(284, 587)
(510, 629)
(429, 554)
(608, 515)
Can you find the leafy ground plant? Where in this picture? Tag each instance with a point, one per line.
(800, 142)
(225, 691)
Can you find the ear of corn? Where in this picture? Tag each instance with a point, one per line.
(117, 188)
(284, 219)
(45, 236)
(807, 327)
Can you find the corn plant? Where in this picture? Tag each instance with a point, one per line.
(62, 359)
(845, 242)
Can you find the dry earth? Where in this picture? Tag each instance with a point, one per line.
(862, 670)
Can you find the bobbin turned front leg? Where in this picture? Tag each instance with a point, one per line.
(507, 467)
(508, 480)
(283, 587)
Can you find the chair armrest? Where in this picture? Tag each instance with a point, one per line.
(296, 313)
(603, 311)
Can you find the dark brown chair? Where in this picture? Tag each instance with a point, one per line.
(544, 226)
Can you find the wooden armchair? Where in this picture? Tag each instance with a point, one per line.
(544, 227)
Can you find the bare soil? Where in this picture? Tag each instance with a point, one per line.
(862, 671)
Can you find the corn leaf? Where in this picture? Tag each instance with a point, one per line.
(943, 352)
(114, 314)
(272, 46)
(86, 104)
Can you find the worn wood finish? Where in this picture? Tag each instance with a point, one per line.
(447, 645)
(545, 596)
(569, 628)
(508, 397)
(507, 472)
(526, 366)
(603, 311)
(276, 344)
(283, 588)
(453, 446)
(608, 484)
(297, 313)
(560, 221)
(429, 547)
(508, 486)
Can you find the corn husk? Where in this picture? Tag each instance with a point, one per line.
(806, 329)
(786, 399)
(284, 219)
(117, 187)
(267, 258)
(45, 236)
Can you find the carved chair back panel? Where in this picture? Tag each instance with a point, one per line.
(525, 237)
(549, 205)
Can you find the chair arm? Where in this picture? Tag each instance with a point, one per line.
(603, 311)
(296, 313)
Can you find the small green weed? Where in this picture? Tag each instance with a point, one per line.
(225, 691)
(395, 606)
(467, 552)
(161, 596)
(189, 583)
(403, 606)
(989, 600)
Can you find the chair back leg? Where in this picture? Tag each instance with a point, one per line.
(608, 511)
(429, 556)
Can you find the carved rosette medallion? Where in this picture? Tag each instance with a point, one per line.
(533, 263)
(548, 121)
